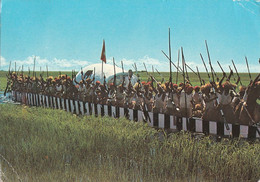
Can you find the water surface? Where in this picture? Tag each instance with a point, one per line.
(5, 99)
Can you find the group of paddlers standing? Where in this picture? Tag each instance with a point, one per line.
(212, 101)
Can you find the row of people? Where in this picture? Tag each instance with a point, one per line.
(206, 101)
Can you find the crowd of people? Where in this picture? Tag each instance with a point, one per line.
(207, 101)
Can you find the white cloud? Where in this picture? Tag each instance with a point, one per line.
(41, 63)
(3, 63)
(2, 60)
(69, 64)
(64, 62)
(162, 66)
(149, 62)
(128, 62)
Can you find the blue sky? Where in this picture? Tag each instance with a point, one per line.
(68, 34)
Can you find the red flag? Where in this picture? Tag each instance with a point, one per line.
(103, 53)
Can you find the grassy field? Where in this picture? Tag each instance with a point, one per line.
(52, 145)
(143, 76)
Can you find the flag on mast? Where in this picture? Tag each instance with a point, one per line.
(103, 53)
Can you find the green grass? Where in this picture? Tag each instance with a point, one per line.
(143, 76)
(194, 79)
(52, 145)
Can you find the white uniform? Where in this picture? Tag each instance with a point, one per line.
(111, 97)
(59, 88)
(225, 100)
(188, 100)
(210, 104)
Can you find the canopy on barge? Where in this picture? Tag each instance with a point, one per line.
(108, 71)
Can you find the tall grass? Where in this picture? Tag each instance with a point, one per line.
(52, 145)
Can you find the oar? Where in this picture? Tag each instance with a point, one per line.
(199, 75)
(178, 66)
(191, 69)
(222, 69)
(160, 75)
(236, 72)
(248, 68)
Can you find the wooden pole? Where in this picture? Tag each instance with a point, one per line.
(231, 71)
(222, 69)
(122, 64)
(9, 70)
(248, 68)
(34, 66)
(177, 70)
(47, 71)
(94, 76)
(236, 71)
(199, 75)
(114, 72)
(191, 69)
(102, 73)
(212, 72)
(170, 57)
(160, 75)
(187, 76)
(183, 68)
